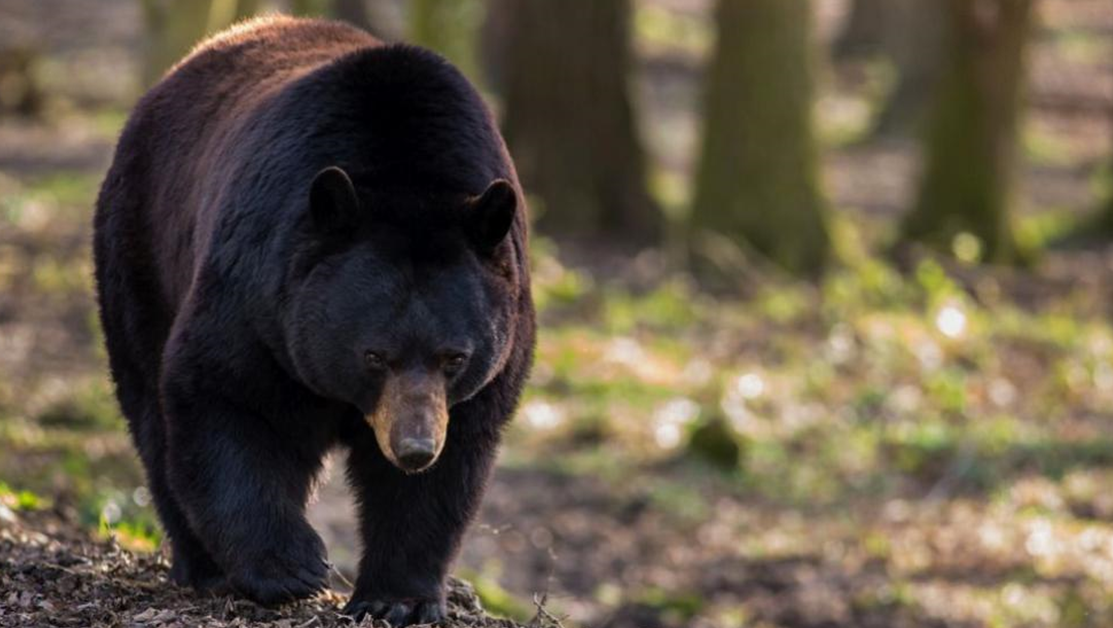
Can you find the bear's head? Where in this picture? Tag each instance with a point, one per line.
(402, 304)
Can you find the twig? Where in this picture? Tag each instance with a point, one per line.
(60, 568)
(339, 575)
(542, 614)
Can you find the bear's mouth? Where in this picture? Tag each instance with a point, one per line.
(410, 421)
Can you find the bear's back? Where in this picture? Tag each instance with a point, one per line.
(226, 76)
(215, 156)
(267, 50)
(175, 147)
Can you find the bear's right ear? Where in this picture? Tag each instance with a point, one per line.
(492, 215)
(333, 204)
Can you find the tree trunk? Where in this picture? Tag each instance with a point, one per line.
(175, 26)
(914, 40)
(223, 13)
(309, 8)
(757, 185)
(1105, 218)
(449, 27)
(864, 32)
(1105, 221)
(972, 136)
(21, 93)
(1102, 227)
(494, 38)
(569, 120)
(353, 12)
(246, 8)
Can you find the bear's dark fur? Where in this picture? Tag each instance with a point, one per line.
(307, 239)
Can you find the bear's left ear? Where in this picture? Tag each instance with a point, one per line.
(491, 215)
(333, 204)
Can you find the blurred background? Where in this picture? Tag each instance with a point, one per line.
(825, 288)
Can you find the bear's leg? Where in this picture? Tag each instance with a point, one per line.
(191, 563)
(135, 389)
(135, 324)
(243, 487)
(412, 524)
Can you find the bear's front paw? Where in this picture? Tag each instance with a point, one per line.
(280, 580)
(270, 577)
(398, 612)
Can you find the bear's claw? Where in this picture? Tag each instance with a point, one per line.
(397, 612)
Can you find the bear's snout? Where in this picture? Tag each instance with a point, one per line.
(415, 454)
(417, 434)
(411, 420)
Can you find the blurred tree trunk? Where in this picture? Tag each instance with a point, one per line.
(173, 27)
(492, 51)
(353, 12)
(864, 32)
(21, 93)
(308, 8)
(448, 26)
(910, 33)
(757, 184)
(1102, 227)
(971, 142)
(569, 119)
(914, 39)
(240, 9)
(1105, 218)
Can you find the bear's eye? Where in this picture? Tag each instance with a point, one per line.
(374, 360)
(453, 362)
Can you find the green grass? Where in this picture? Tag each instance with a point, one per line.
(21, 499)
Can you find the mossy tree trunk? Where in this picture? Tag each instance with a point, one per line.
(864, 31)
(914, 41)
(173, 27)
(1105, 218)
(20, 90)
(757, 184)
(448, 26)
(1102, 227)
(242, 9)
(354, 12)
(972, 134)
(309, 8)
(909, 33)
(569, 119)
(491, 53)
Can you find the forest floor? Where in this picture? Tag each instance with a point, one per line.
(922, 445)
(53, 575)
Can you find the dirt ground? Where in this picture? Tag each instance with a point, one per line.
(52, 574)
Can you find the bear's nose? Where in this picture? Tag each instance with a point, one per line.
(415, 454)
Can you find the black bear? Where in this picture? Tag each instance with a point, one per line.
(310, 239)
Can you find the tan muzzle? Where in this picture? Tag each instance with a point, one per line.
(411, 420)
